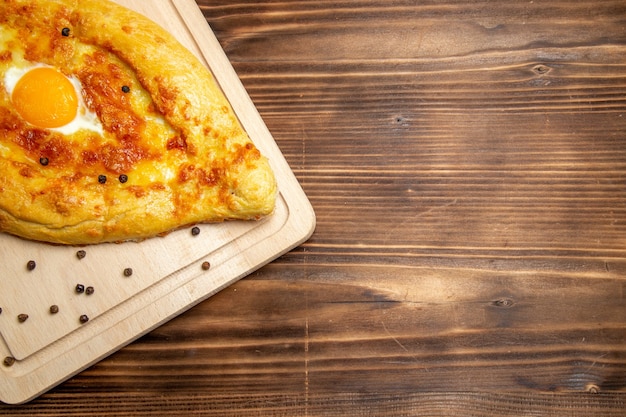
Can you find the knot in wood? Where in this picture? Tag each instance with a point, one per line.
(401, 121)
(541, 69)
(503, 303)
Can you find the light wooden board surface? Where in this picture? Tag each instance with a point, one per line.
(167, 276)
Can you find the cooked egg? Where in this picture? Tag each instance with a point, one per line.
(46, 98)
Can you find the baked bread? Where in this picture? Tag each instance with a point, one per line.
(146, 144)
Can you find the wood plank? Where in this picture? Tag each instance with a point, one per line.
(361, 333)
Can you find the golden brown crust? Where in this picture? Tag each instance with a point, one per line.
(185, 156)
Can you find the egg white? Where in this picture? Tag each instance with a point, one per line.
(85, 118)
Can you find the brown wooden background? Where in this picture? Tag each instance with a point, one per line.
(467, 164)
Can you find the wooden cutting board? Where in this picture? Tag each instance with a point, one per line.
(167, 273)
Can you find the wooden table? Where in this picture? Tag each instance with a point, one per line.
(467, 164)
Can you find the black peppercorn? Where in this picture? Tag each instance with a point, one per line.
(195, 231)
(22, 318)
(83, 319)
(44, 161)
(9, 361)
(206, 265)
(125, 89)
(102, 179)
(81, 254)
(90, 290)
(123, 178)
(65, 32)
(30, 265)
(54, 309)
(128, 272)
(80, 288)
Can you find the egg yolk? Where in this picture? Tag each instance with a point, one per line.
(45, 98)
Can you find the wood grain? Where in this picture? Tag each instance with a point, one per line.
(467, 165)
